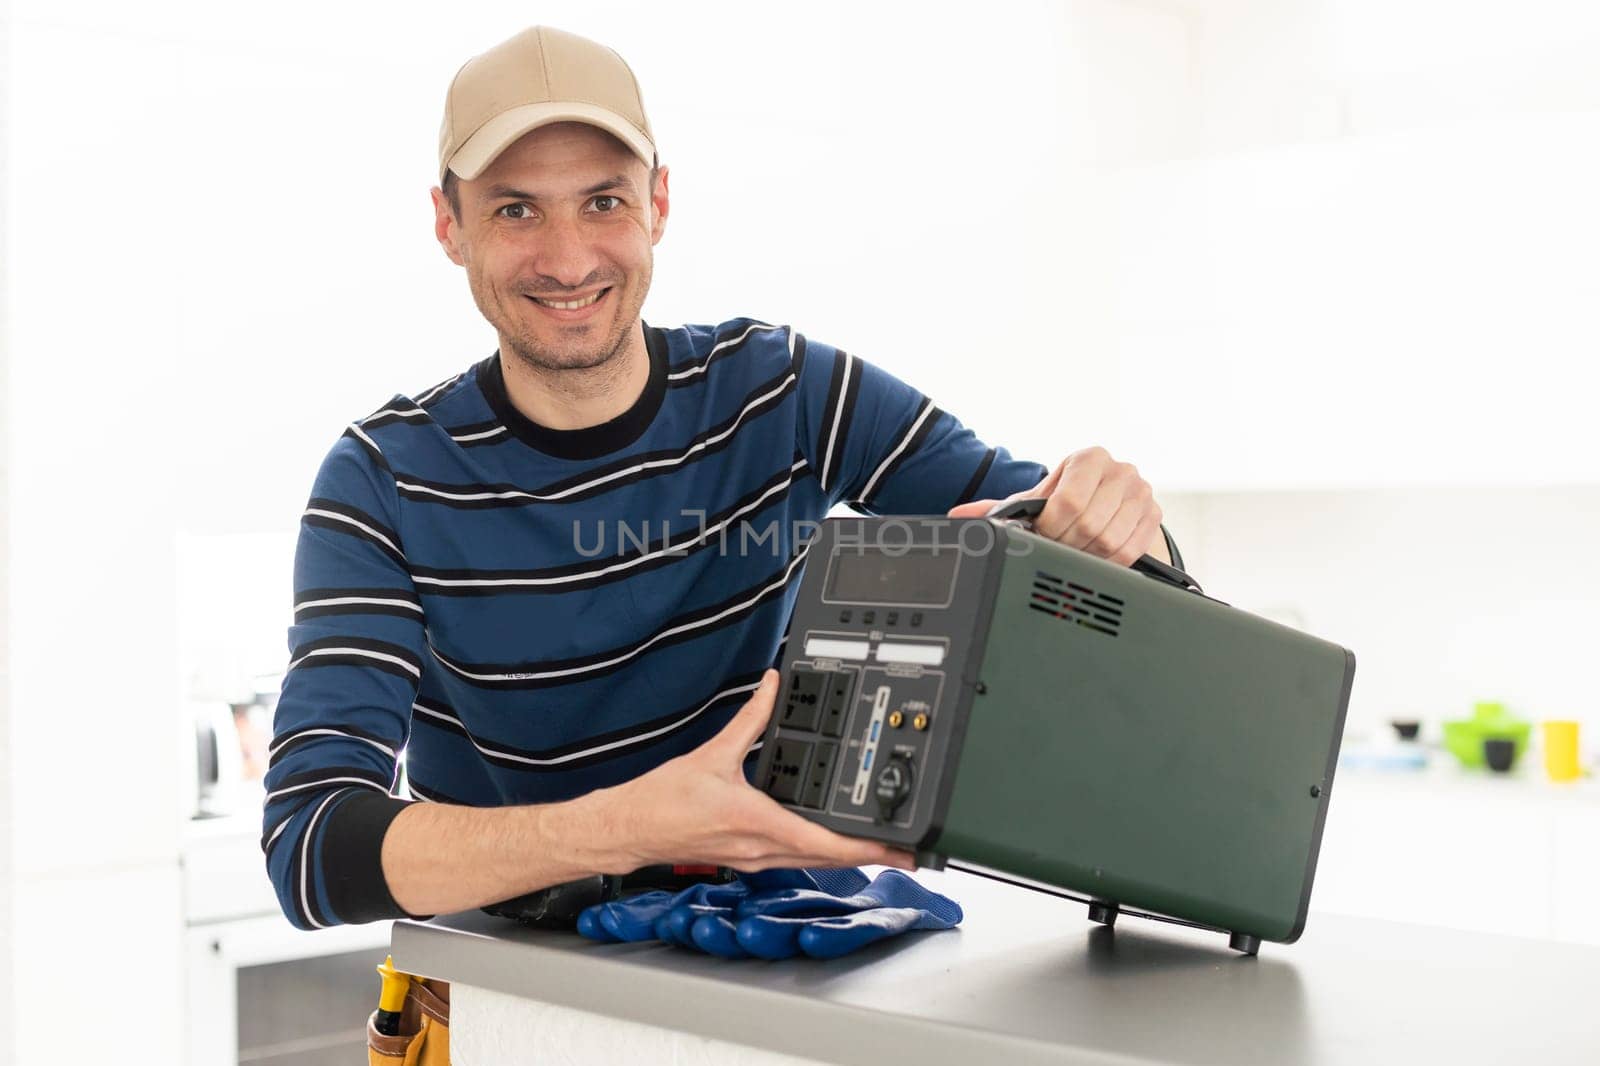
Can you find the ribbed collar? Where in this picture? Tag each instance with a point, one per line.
(590, 442)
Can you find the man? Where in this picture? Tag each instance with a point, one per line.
(571, 701)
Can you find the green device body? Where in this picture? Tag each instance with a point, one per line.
(978, 693)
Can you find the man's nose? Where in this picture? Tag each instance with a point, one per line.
(564, 254)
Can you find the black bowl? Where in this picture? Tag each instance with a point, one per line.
(1407, 730)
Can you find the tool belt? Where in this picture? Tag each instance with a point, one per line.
(424, 1037)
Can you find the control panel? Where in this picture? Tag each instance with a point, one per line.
(873, 694)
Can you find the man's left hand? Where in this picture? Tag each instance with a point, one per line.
(1095, 504)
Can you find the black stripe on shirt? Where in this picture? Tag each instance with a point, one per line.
(602, 479)
(399, 409)
(833, 439)
(480, 434)
(433, 795)
(929, 415)
(695, 370)
(348, 651)
(580, 754)
(343, 518)
(970, 492)
(318, 603)
(603, 570)
(691, 625)
(308, 782)
(281, 746)
(433, 394)
(359, 435)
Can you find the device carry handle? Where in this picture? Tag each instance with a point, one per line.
(1023, 512)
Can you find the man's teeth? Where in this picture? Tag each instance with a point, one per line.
(571, 305)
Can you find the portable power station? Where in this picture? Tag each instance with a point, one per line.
(983, 695)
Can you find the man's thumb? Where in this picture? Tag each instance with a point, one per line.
(975, 509)
(746, 727)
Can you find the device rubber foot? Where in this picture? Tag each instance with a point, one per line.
(1245, 943)
(1104, 913)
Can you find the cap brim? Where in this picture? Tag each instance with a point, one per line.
(496, 135)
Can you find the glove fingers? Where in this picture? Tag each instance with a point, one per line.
(771, 938)
(589, 925)
(633, 919)
(673, 926)
(894, 888)
(715, 934)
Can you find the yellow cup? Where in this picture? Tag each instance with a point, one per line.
(1561, 751)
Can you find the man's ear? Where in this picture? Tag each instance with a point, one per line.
(660, 201)
(445, 227)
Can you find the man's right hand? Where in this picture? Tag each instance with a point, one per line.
(698, 808)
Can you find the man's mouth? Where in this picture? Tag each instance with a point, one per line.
(570, 305)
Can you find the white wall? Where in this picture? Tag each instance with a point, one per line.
(93, 228)
(1446, 595)
(7, 794)
(1373, 266)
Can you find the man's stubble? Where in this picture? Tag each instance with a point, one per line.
(550, 363)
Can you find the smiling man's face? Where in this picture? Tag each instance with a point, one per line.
(557, 237)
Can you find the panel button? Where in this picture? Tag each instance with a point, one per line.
(893, 619)
(868, 617)
(916, 618)
(844, 616)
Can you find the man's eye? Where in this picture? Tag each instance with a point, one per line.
(517, 211)
(606, 203)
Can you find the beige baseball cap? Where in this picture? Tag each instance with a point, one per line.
(540, 76)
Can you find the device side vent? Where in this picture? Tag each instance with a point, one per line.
(1068, 601)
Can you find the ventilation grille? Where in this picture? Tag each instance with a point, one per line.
(1071, 602)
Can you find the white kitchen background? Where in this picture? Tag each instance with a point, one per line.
(1325, 271)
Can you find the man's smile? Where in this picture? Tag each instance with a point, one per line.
(572, 307)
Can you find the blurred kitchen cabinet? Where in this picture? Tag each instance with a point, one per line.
(260, 990)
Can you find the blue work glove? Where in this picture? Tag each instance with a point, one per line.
(776, 914)
(781, 924)
(702, 916)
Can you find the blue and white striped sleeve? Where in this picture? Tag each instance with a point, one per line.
(881, 446)
(355, 659)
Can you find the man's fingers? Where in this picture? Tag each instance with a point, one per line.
(746, 727)
(797, 836)
(1145, 536)
(1094, 518)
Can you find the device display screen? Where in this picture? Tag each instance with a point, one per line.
(920, 576)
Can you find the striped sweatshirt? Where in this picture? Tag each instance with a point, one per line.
(529, 614)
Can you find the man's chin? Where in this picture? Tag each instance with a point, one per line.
(542, 355)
